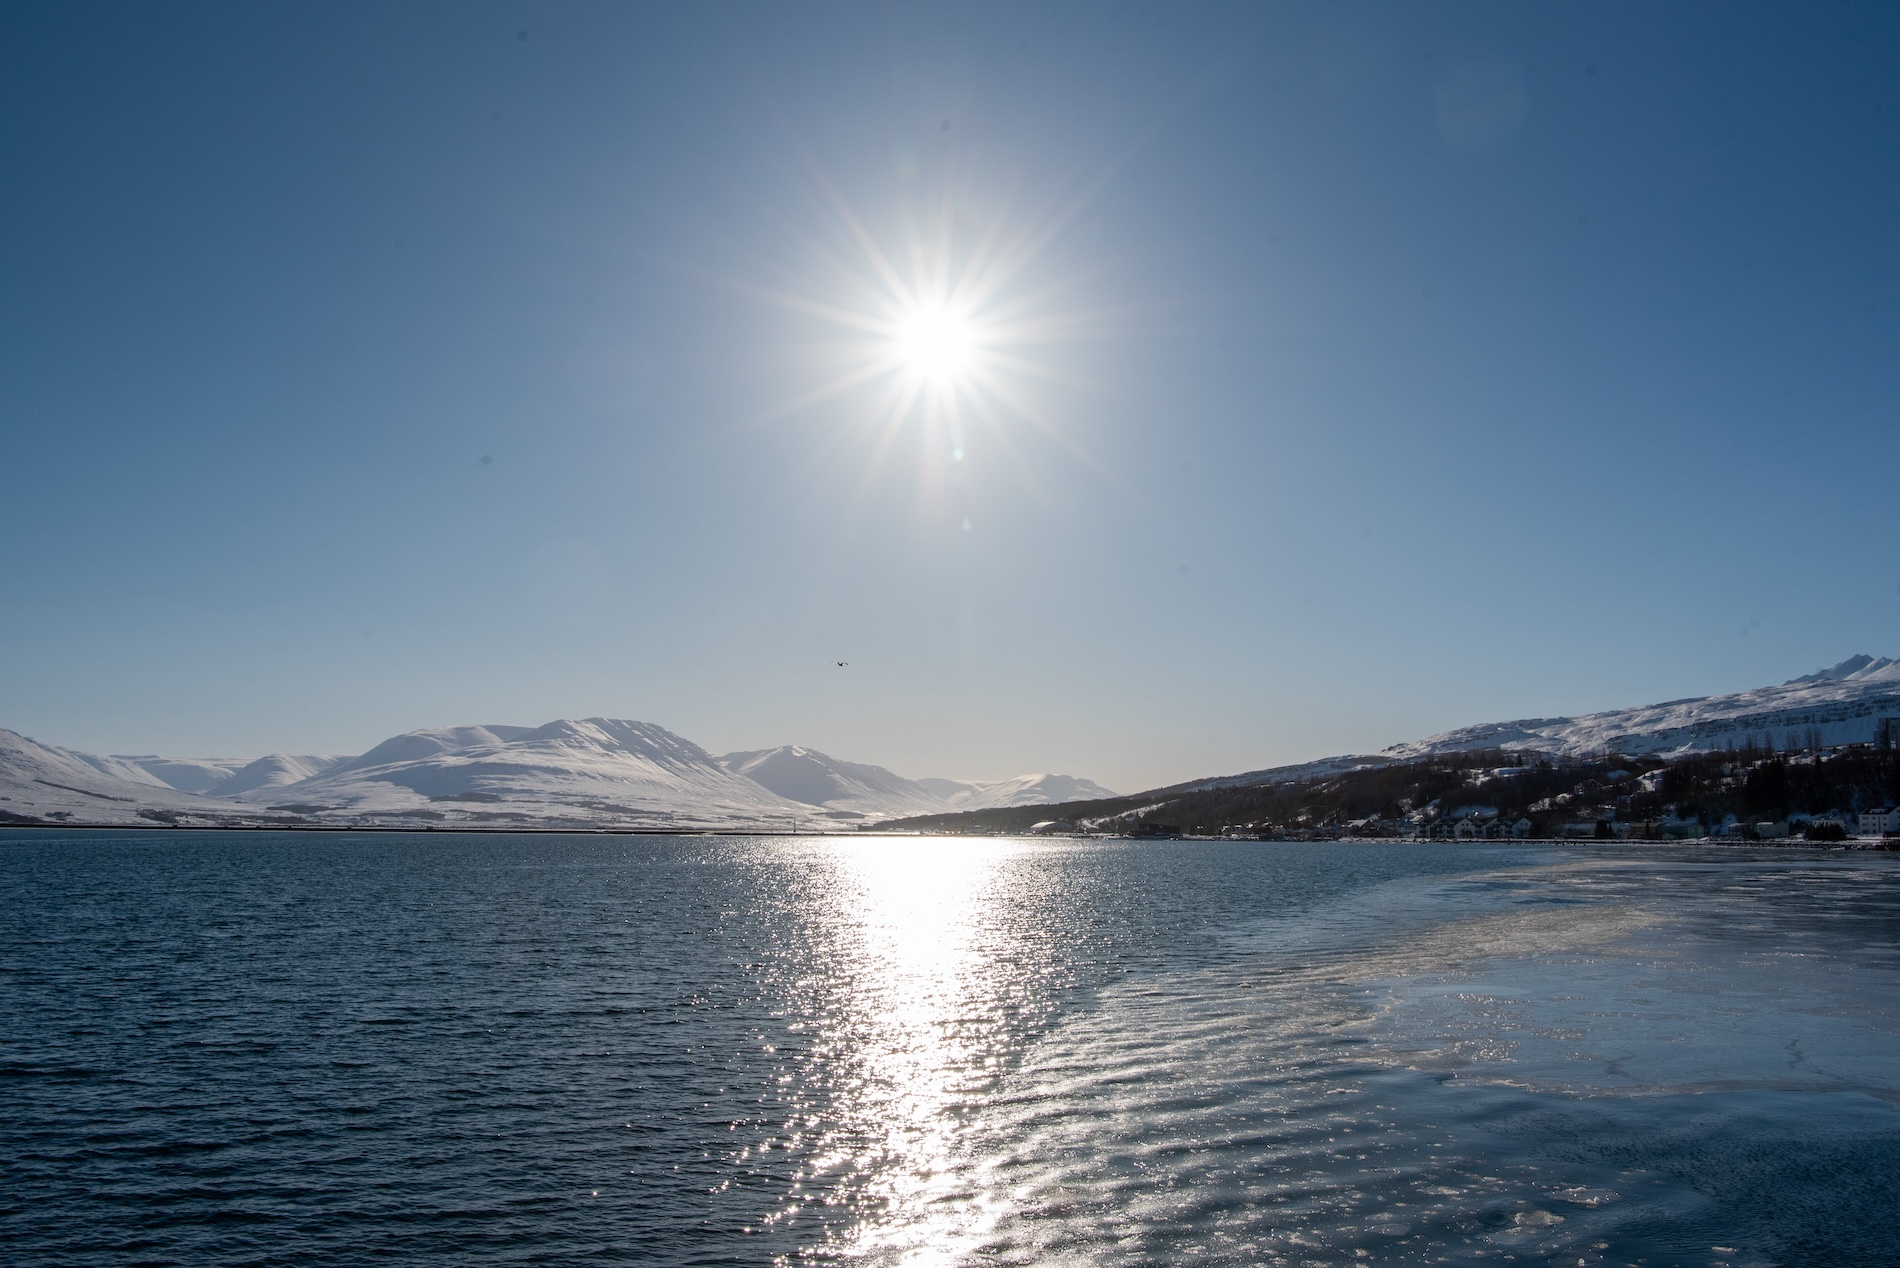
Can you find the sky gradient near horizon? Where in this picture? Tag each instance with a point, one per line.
(1362, 371)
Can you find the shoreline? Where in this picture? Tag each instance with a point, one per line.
(1850, 845)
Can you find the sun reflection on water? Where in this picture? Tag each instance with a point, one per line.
(933, 980)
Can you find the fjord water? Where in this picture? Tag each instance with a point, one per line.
(240, 1048)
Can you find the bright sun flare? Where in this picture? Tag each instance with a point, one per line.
(943, 335)
(935, 343)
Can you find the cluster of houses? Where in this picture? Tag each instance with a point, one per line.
(1882, 821)
(1486, 824)
(1479, 825)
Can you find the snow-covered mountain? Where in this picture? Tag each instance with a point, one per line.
(604, 772)
(596, 771)
(845, 789)
(593, 773)
(220, 776)
(1848, 703)
(803, 774)
(1024, 790)
(277, 771)
(42, 783)
(186, 774)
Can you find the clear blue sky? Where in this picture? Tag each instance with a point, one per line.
(1381, 369)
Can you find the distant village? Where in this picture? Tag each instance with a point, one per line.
(1846, 795)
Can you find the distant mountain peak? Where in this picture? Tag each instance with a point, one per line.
(1858, 664)
(1039, 789)
(817, 779)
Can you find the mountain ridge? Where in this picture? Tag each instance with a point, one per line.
(606, 772)
(1846, 703)
(580, 773)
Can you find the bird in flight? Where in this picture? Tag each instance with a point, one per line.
(843, 663)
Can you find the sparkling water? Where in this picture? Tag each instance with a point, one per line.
(258, 1048)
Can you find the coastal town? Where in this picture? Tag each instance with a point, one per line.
(1844, 795)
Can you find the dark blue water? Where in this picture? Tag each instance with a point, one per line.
(279, 1048)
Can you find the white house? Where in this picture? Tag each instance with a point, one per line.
(1879, 822)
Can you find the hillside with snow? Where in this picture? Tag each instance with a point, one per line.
(1848, 703)
(838, 788)
(42, 783)
(587, 774)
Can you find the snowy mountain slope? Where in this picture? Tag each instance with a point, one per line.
(415, 746)
(1857, 668)
(130, 770)
(1843, 704)
(186, 774)
(44, 783)
(215, 776)
(275, 772)
(596, 771)
(842, 788)
(1024, 790)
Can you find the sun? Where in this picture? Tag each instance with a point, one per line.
(935, 344)
(945, 324)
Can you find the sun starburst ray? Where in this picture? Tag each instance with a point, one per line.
(943, 329)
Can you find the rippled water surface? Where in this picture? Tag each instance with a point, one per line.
(241, 1048)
